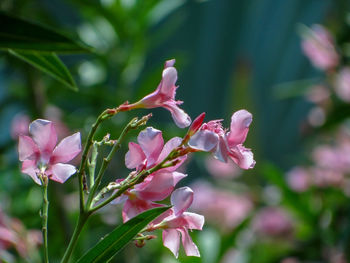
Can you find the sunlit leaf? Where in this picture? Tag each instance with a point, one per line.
(48, 63)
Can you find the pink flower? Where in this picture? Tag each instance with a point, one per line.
(157, 186)
(177, 222)
(222, 170)
(299, 179)
(222, 208)
(273, 221)
(213, 138)
(39, 154)
(19, 125)
(318, 46)
(164, 96)
(342, 84)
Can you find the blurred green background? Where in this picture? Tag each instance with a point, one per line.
(229, 55)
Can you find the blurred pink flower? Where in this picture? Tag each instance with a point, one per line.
(176, 222)
(299, 179)
(327, 177)
(318, 94)
(225, 209)
(14, 235)
(342, 84)
(213, 138)
(220, 169)
(39, 154)
(19, 125)
(164, 96)
(318, 46)
(273, 222)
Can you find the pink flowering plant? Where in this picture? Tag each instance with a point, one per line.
(153, 176)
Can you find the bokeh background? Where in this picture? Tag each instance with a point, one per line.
(229, 55)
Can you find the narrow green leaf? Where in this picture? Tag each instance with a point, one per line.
(48, 63)
(110, 245)
(17, 33)
(294, 89)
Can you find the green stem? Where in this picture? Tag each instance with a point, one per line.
(134, 123)
(104, 115)
(78, 228)
(92, 165)
(44, 216)
(136, 180)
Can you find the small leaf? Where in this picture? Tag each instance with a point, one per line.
(19, 34)
(48, 63)
(295, 88)
(111, 244)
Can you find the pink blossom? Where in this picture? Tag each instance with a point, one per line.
(342, 84)
(299, 179)
(273, 221)
(222, 208)
(176, 222)
(19, 125)
(157, 186)
(220, 169)
(164, 96)
(39, 154)
(213, 138)
(318, 46)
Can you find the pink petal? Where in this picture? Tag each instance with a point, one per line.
(221, 151)
(178, 176)
(167, 86)
(181, 199)
(196, 124)
(136, 206)
(29, 167)
(240, 122)
(151, 142)
(27, 149)
(242, 156)
(194, 221)
(204, 140)
(168, 147)
(180, 117)
(171, 240)
(67, 149)
(169, 63)
(44, 135)
(161, 186)
(61, 172)
(135, 156)
(190, 248)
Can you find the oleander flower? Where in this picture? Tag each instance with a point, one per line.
(176, 222)
(164, 96)
(212, 137)
(318, 46)
(157, 186)
(40, 154)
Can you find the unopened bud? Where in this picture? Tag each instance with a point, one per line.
(195, 126)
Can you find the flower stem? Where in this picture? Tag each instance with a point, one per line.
(44, 216)
(103, 116)
(78, 228)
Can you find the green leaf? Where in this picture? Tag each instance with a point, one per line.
(19, 34)
(48, 63)
(110, 245)
(295, 88)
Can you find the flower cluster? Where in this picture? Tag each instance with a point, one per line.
(154, 164)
